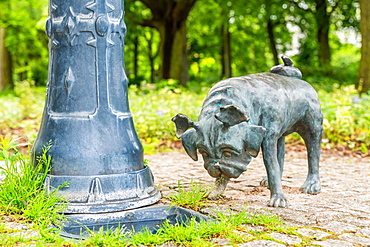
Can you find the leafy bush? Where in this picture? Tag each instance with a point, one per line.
(347, 118)
(153, 111)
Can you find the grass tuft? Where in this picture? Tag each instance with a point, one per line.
(192, 198)
(22, 192)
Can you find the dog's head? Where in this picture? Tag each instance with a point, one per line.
(227, 141)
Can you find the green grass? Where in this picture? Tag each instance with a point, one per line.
(237, 227)
(193, 197)
(21, 191)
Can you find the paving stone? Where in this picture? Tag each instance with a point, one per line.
(332, 243)
(220, 241)
(317, 234)
(168, 244)
(290, 240)
(28, 234)
(326, 215)
(16, 226)
(261, 243)
(364, 232)
(339, 227)
(255, 228)
(357, 221)
(355, 239)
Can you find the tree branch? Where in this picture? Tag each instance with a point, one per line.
(158, 7)
(142, 22)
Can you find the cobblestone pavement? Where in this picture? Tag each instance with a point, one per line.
(338, 216)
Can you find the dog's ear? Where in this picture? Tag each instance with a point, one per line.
(182, 123)
(231, 115)
(189, 143)
(253, 139)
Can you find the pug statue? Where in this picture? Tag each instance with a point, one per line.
(244, 114)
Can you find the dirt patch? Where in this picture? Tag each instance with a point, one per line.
(261, 190)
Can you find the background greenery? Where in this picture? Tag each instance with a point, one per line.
(223, 39)
(346, 115)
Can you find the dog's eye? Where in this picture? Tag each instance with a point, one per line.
(204, 153)
(227, 153)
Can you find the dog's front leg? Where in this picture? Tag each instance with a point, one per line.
(269, 150)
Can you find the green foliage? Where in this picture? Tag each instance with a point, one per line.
(192, 197)
(21, 191)
(345, 61)
(24, 22)
(347, 118)
(21, 110)
(251, 51)
(10, 111)
(153, 111)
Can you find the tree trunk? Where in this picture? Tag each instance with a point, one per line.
(6, 75)
(174, 51)
(363, 78)
(323, 23)
(136, 54)
(169, 18)
(151, 57)
(270, 31)
(226, 50)
(179, 58)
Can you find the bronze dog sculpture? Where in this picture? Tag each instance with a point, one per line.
(243, 114)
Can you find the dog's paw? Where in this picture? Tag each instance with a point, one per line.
(311, 186)
(278, 201)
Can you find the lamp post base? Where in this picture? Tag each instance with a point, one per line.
(78, 226)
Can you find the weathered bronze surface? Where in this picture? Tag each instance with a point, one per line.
(86, 116)
(243, 114)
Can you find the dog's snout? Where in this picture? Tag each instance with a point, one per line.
(213, 169)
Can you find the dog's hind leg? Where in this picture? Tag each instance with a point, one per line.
(281, 154)
(312, 138)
